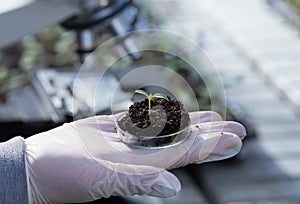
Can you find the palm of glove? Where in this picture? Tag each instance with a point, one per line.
(85, 160)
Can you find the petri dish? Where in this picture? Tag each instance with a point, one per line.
(155, 141)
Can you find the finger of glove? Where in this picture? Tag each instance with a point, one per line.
(125, 179)
(212, 141)
(210, 146)
(225, 148)
(220, 126)
(204, 116)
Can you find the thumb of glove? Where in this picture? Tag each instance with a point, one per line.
(156, 182)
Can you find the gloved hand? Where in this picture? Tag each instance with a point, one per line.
(85, 160)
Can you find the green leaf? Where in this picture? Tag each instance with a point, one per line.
(141, 92)
(160, 95)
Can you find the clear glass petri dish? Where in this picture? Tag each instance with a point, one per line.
(153, 142)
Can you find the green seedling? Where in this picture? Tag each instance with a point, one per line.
(151, 96)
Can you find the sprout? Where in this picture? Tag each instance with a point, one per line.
(151, 96)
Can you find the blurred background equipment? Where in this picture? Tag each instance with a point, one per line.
(38, 72)
(117, 17)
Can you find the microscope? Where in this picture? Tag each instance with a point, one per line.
(46, 100)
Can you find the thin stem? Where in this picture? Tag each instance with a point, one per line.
(149, 102)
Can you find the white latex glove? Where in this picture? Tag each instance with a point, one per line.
(85, 160)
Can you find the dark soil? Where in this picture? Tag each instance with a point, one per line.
(137, 120)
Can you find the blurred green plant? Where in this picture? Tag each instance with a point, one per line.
(52, 47)
(295, 3)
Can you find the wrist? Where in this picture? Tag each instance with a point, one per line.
(35, 187)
